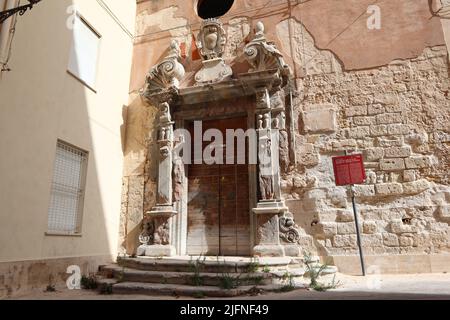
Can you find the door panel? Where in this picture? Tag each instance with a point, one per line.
(203, 217)
(218, 208)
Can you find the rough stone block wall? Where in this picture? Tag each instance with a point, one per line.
(397, 117)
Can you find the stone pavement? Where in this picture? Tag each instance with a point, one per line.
(413, 286)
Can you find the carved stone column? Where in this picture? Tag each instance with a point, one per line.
(160, 216)
(162, 87)
(274, 222)
(270, 204)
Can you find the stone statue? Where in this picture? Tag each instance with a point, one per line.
(260, 121)
(282, 119)
(266, 187)
(266, 124)
(162, 233)
(148, 229)
(178, 174)
(265, 173)
(164, 116)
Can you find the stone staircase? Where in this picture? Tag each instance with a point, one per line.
(204, 276)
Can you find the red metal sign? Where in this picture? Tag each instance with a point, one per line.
(349, 170)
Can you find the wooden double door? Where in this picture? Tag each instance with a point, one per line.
(218, 201)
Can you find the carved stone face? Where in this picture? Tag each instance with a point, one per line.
(164, 151)
(211, 38)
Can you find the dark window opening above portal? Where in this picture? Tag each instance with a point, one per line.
(213, 8)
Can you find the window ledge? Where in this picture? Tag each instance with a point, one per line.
(81, 81)
(62, 234)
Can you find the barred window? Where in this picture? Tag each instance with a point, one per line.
(69, 176)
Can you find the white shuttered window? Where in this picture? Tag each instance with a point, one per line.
(84, 52)
(69, 175)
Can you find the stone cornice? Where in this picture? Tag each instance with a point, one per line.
(245, 84)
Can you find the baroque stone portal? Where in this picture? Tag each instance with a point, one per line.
(267, 83)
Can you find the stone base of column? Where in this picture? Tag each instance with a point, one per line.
(162, 242)
(276, 250)
(292, 250)
(156, 250)
(162, 210)
(268, 231)
(270, 206)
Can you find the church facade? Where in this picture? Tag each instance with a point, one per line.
(305, 81)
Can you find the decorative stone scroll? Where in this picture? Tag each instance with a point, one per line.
(211, 44)
(263, 55)
(166, 74)
(288, 229)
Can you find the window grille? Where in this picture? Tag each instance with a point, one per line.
(66, 205)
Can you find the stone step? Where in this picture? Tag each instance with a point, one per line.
(187, 278)
(204, 278)
(212, 266)
(153, 289)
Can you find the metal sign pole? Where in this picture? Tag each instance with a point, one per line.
(358, 235)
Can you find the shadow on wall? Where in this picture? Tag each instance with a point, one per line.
(140, 169)
(56, 108)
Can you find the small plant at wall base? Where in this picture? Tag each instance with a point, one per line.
(314, 270)
(256, 280)
(324, 287)
(253, 266)
(106, 288)
(199, 295)
(89, 282)
(226, 280)
(50, 288)
(121, 275)
(196, 267)
(289, 283)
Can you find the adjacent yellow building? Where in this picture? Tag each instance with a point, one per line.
(61, 131)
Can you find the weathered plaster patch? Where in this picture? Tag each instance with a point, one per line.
(164, 19)
(312, 60)
(238, 30)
